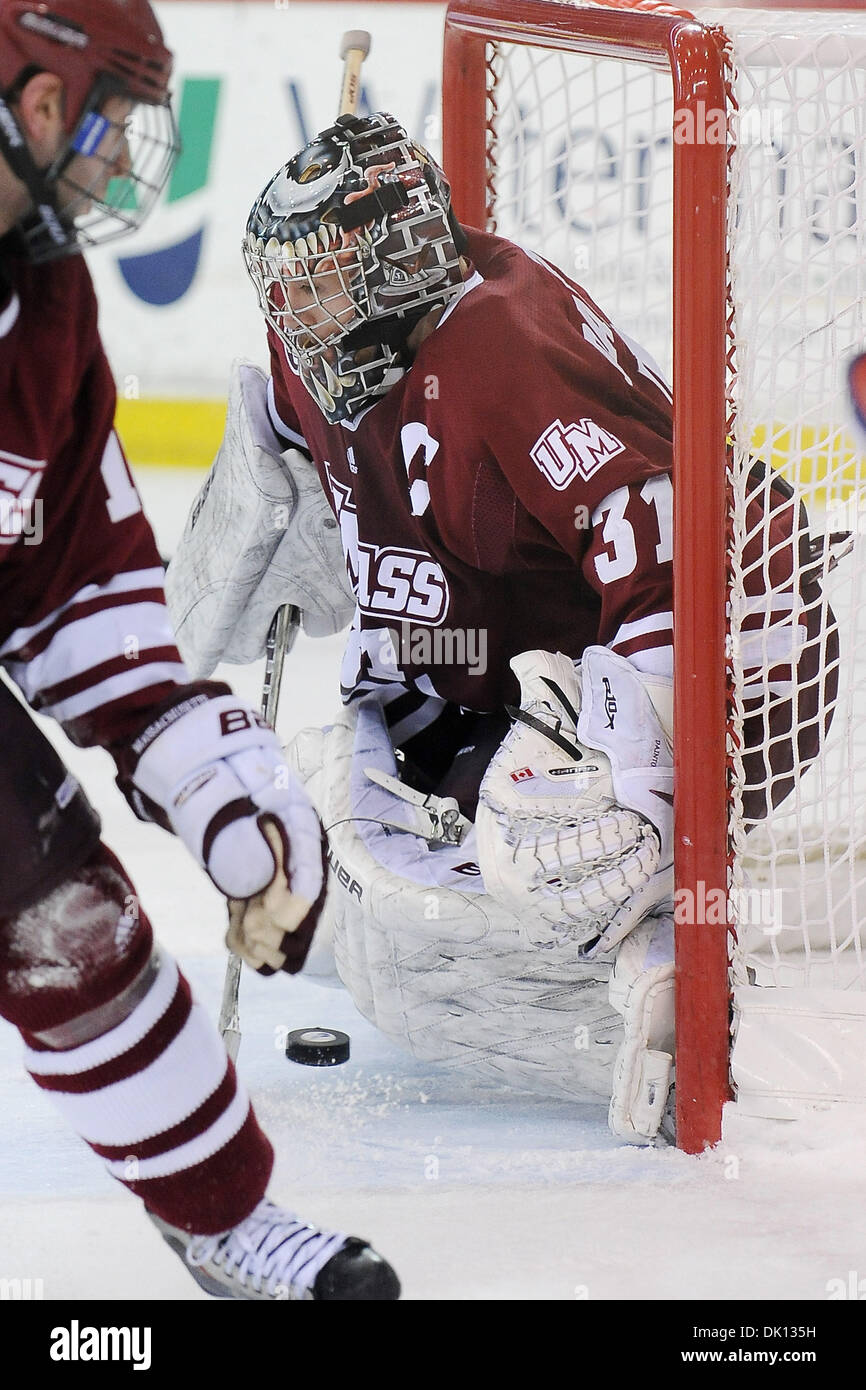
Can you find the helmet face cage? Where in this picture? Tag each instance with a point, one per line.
(93, 205)
(119, 153)
(348, 247)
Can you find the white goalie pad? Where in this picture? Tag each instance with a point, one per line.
(260, 534)
(575, 815)
(427, 955)
(642, 990)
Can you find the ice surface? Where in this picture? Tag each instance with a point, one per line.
(473, 1192)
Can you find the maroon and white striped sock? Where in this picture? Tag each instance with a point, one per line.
(158, 1098)
(136, 1067)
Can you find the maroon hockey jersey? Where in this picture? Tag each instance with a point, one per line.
(511, 491)
(83, 625)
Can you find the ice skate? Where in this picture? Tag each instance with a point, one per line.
(273, 1255)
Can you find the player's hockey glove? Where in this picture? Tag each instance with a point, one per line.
(575, 814)
(210, 769)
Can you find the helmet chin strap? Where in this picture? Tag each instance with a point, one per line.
(14, 149)
(47, 230)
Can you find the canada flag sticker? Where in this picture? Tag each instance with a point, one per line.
(522, 774)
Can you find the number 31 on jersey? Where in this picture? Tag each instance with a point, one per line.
(618, 530)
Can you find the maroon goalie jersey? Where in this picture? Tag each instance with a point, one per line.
(511, 491)
(83, 625)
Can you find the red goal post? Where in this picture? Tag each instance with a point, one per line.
(484, 107)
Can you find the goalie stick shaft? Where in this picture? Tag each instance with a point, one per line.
(354, 47)
(281, 635)
(229, 1020)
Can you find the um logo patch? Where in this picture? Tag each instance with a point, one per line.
(565, 452)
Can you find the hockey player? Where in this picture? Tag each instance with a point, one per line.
(497, 460)
(87, 141)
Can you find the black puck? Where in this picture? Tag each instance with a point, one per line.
(317, 1047)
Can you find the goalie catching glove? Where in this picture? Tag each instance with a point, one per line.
(211, 770)
(575, 814)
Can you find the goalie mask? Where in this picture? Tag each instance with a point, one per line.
(349, 246)
(120, 139)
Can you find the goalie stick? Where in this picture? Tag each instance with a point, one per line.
(281, 636)
(354, 48)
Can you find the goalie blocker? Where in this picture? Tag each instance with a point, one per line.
(260, 534)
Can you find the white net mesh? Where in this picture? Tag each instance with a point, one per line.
(797, 274)
(583, 175)
(583, 151)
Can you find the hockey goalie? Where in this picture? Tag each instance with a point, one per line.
(457, 456)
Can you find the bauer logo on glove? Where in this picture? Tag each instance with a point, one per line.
(212, 771)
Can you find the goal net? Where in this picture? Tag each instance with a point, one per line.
(594, 136)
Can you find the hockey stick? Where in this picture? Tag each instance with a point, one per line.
(281, 636)
(354, 47)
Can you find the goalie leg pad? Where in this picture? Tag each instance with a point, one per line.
(260, 534)
(642, 991)
(427, 955)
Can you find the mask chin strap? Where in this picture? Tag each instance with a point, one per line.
(391, 332)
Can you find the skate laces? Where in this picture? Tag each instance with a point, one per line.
(271, 1252)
